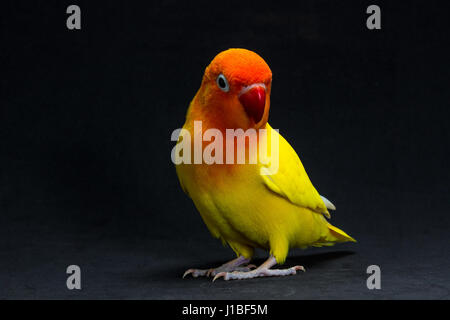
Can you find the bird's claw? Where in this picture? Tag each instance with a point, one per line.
(195, 273)
(188, 272)
(296, 268)
(220, 275)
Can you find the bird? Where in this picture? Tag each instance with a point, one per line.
(249, 206)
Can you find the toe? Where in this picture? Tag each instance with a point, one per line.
(296, 268)
(195, 272)
(223, 275)
(188, 272)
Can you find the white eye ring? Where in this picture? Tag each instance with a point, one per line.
(222, 83)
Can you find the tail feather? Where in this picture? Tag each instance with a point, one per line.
(337, 235)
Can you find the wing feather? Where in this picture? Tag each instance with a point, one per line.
(291, 181)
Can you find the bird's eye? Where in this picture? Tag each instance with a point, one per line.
(222, 83)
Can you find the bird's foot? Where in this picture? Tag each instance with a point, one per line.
(235, 265)
(258, 273)
(262, 271)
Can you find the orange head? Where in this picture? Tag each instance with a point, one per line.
(235, 91)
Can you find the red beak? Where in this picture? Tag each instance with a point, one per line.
(253, 98)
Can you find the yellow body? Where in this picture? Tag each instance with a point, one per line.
(248, 210)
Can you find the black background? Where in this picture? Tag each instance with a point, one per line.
(86, 119)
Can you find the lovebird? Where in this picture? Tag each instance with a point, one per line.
(250, 204)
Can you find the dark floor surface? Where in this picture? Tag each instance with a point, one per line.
(414, 263)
